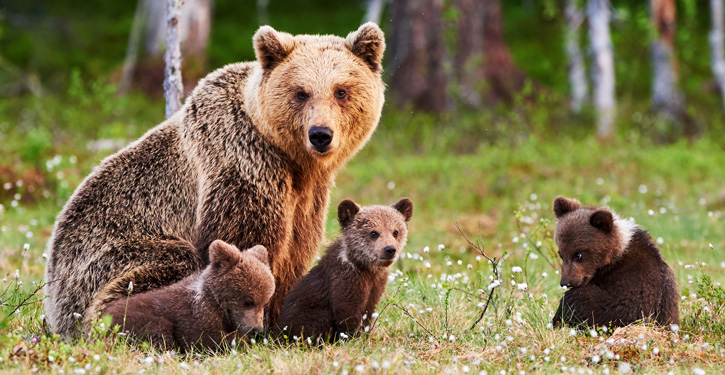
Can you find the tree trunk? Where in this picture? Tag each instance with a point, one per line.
(717, 55)
(173, 86)
(666, 98)
(469, 54)
(504, 78)
(156, 29)
(374, 11)
(577, 74)
(602, 67)
(139, 19)
(416, 63)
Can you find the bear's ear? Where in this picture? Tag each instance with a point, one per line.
(368, 43)
(563, 206)
(260, 253)
(222, 254)
(346, 212)
(405, 207)
(271, 47)
(602, 219)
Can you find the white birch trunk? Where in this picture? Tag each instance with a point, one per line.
(173, 87)
(129, 63)
(602, 66)
(577, 74)
(717, 56)
(374, 11)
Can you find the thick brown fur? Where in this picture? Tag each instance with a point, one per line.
(616, 272)
(236, 163)
(340, 294)
(224, 302)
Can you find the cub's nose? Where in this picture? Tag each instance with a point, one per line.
(389, 251)
(320, 137)
(565, 283)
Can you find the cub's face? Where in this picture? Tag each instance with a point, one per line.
(586, 240)
(374, 235)
(321, 96)
(242, 283)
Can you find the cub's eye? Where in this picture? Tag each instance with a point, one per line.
(248, 304)
(577, 256)
(395, 234)
(374, 234)
(340, 94)
(301, 95)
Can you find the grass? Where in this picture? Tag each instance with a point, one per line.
(499, 194)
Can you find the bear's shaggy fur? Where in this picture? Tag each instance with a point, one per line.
(249, 159)
(616, 273)
(339, 295)
(224, 302)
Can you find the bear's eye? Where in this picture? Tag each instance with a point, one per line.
(248, 304)
(301, 95)
(340, 94)
(395, 234)
(577, 256)
(374, 234)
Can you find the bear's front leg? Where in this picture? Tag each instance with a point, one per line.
(583, 305)
(348, 302)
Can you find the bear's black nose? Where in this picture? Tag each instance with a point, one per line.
(320, 137)
(565, 283)
(389, 251)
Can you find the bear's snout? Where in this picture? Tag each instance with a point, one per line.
(389, 252)
(320, 138)
(565, 282)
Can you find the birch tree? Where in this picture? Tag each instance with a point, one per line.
(173, 86)
(374, 11)
(602, 66)
(577, 74)
(717, 55)
(666, 97)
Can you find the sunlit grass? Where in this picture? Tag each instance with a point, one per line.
(500, 197)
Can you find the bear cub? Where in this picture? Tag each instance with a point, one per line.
(339, 295)
(224, 301)
(615, 272)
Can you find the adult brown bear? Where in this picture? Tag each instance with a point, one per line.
(249, 159)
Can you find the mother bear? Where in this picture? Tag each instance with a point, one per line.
(249, 159)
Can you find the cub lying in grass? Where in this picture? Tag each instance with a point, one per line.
(224, 301)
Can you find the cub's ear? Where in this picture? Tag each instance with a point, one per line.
(405, 207)
(260, 253)
(272, 47)
(602, 219)
(222, 254)
(346, 212)
(563, 206)
(368, 43)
